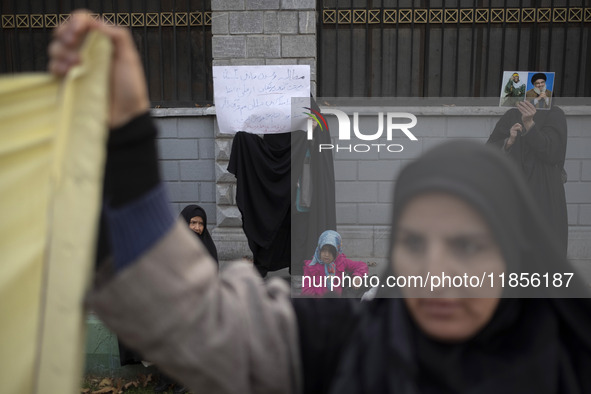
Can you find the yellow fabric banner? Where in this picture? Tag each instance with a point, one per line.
(52, 152)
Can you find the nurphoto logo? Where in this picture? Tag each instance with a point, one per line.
(396, 122)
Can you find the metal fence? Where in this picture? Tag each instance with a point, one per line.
(456, 48)
(173, 38)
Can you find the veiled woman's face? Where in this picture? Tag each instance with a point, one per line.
(197, 224)
(440, 235)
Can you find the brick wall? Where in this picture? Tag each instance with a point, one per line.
(186, 149)
(194, 160)
(365, 181)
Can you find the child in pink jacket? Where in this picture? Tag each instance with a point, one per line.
(325, 273)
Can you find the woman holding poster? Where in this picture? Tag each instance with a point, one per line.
(536, 141)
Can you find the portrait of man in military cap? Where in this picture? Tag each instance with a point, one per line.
(513, 90)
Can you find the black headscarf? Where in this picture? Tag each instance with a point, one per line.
(531, 345)
(493, 186)
(189, 212)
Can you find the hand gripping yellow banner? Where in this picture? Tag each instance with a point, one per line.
(52, 152)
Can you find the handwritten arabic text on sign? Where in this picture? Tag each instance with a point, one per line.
(257, 99)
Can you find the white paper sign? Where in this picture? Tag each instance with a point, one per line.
(257, 99)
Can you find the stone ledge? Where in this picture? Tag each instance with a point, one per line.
(449, 110)
(374, 241)
(181, 112)
(579, 242)
(371, 243)
(484, 110)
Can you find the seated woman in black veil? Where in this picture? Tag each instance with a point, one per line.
(196, 218)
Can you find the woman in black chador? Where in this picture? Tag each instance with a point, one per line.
(536, 140)
(196, 218)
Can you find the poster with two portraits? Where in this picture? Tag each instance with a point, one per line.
(533, 86)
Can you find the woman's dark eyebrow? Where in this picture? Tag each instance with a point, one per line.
(407, 231)
(469, 237)
(452, 238)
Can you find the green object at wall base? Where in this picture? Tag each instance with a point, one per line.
(102, 353)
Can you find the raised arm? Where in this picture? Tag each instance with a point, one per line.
(163, 296)
(501, 132)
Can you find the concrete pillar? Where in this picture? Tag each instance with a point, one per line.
(255, 32)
